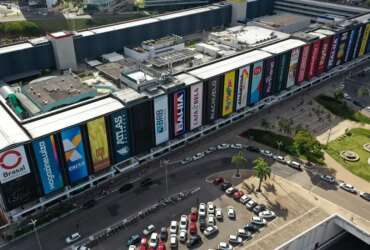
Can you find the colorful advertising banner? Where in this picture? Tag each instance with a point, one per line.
(342, 48)
(120, 135)
(325, 47)
(48, 164)
(351, 42)
(269, 76)
(282, 72)
(333, 52)
(293, 67)
(212, 98)
(303, 63)
(161, 119)
(364, 41)
(312, 70)
(196, 105)
(98, 140)
(242, 90)
(358, 42)
(13, 164)
(179, 112)
(74, 154)
(257, 83)
(228, 93)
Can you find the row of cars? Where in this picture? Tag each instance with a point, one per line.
(345, 186)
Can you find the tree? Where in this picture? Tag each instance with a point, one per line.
(305, 144)
(238, 160)
(262, 169)
(363, 92)
(339, 95)
(265, 123)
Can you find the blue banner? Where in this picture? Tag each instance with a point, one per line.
(257, 83)
(74, 153)
(120, 135)
(48, 164)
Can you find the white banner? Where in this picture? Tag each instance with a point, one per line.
(196, 105)
(13, 164)
(161, 119)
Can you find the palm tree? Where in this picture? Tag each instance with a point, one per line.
(238, 160)
(262, 169)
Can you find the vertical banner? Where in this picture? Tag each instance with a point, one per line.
(48, 164)
(161, 119)
(98, 140)
(13, 164)
(282, 71)
(74, 154)
(312, 70)
(333, 52)
(351, 41)
(179, 112)
(304, 61)
(257, 83)
(293, 65)
(325, 47)
(242, 90)
(196, 105)
(212, 99)
(228, 93)
(364, 41)
(120, 135)
(358, 42)
(269, 76)
(341, 48)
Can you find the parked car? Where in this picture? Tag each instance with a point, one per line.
(132, 247)
(211, 220)
(210, 208)
(253, 149)
(183, 222)
(279, 158)
(183, 236)
(294, 164)
(244, 233)
(202, 210)
(267, 214)
(163, 235)
(218, 180)
(73, 238)
(193, 228)
(212, 149)
(173, 240)
(161, 246)
(202, 224)
(250, 204)
(153, 241)
(230, 190)
(347, 187)
(250, 227)
(148, 230)
(223, 146)
(328, 178)
(258, 221)
(224, 246)
(193, 240)
(198, 156)
(234, 239)
(219, 214)
(231, 213)
(133, 240)
(365, 196)
(125, 188)
(225, 185)
(266, 153)
(186, 160)
(259, 208)
(237, 195)
(193, 216)
(244, 199)
(173, 227)
(236, 146)
(210, 230)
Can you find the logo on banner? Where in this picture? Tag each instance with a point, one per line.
(120, 123)
(229, 92)
(268, 78)
(70, 148)
(10, 159)
(213, 99)
(257, 70)
(47, 167)
(179, 113)
(333, 51)
(13, 164)
(159, 116)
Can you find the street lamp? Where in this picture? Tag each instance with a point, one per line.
(33, 222)
(279, 144)
(165, 162)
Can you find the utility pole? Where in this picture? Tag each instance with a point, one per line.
(33, 222)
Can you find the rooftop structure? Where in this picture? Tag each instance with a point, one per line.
(284, 22)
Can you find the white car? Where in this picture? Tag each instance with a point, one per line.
(279, 158)
(347, 187)
(73, 237)
(202, 210)
(173, 240)
(294, 164)
(244, 199)
(236, 146)
(186, 160)
(198, 156)
(328, 178)
(210, 230)
(183, 235)
(148, 230)
(219, 214)
(250, 204)
(224, 246)
(258, 220)
(183, 222)
(244, 233)
(153, 241)
(211, 220)
(230, 191)
(367, 108)
(346, 96)
(267, 214)
(266, 153)
(211, 208)
(173, 227)
(223, 146)
(132, 247)
(233, 239)
(231, 213)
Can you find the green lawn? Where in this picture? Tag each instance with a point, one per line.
(340, 109)
(354, 143)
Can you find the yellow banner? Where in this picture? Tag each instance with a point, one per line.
(365, 39)
(229, 88)
(98, 144)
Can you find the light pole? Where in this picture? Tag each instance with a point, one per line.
(279, 144)
(165, 162)
(33, 222)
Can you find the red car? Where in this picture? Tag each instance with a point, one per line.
(193, 217)
(193, 228)
(238, 194)
(218, 180)
(142, 247)
(161, 246)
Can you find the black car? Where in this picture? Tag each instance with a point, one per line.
(225, 185)
(125, 188)
(89, 204)
(251, 227)
(134, 239)
(193, 240)
(253, 149)
(163, 235)
(365, 196)
(146, 182)
(202, 224)
(259, 208)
